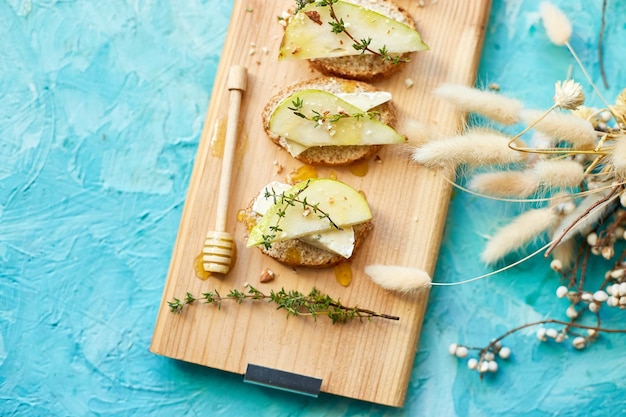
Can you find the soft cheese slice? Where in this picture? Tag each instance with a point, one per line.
(363, 130)
(340, 242)
(308, 34)
(366, 100)
(341, 203)
(337, 241)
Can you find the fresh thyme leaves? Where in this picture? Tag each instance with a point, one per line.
(296, 303)
(291, 200)
(338, 26)
(327, 117)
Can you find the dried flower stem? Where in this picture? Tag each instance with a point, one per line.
(294, 302)
(589, 209)
(527, 129)
(600, 42)
(567, 324)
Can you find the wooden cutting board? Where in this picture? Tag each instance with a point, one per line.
(368, 360)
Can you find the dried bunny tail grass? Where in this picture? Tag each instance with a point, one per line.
(398, 278)
(559, 173)
(563, 126)
(522, 230)
(558, 27)
(618, 158)
(504, 184)
(487, 103)
(475, 148)
(417, 132)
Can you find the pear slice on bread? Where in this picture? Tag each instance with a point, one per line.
(350, 38)
(330, 121)
(315, 223)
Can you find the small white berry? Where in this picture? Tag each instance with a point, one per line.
(556, 265)
(609, 290)
(559, 337)
(579, 342)
(615, 290)
(587, 297)
(489, 356)
(605, 116)
(472, 363)
(595, 251)
(541, 334)
(571, 312)
(622, 288)
(505, 353)
(461, 352)
(492, 366)
(569, 207)
(592, 238)
(619, 232)
(594, 307)
(608, 252)
(600, 296)
(622, 301)
(617, 273)
(612, 301)
(551, 333)
(452, 349)
(562, 291)
(483, 367)
(592, 332)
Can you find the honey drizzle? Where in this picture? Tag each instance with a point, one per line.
(219, 138)
(343, 273)
(199, 268)
(305, 172)
(360, 169)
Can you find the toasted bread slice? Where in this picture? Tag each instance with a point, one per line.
(367, 67)
(294, 252)
(330, 155)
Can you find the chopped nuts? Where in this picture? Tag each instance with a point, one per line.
(267, 275)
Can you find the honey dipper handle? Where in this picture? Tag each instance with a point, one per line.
(236, 83)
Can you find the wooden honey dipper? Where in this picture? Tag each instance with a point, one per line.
(219, 246)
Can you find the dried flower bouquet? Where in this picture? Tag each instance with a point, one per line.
(568, 167)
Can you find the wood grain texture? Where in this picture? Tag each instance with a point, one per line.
(370, 361)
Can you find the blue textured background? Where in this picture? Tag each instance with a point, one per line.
(101, 107)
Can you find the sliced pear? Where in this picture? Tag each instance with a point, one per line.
(362, 130)
(308, 34)
(337, 241)
(338, 201)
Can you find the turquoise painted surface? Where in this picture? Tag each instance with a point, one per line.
(101, 107)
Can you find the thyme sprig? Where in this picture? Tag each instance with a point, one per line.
(321, 118)
(339, 26)
(294, 302)
(291, 200)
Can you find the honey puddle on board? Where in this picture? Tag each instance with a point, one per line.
(218, 140)
(305, 172)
